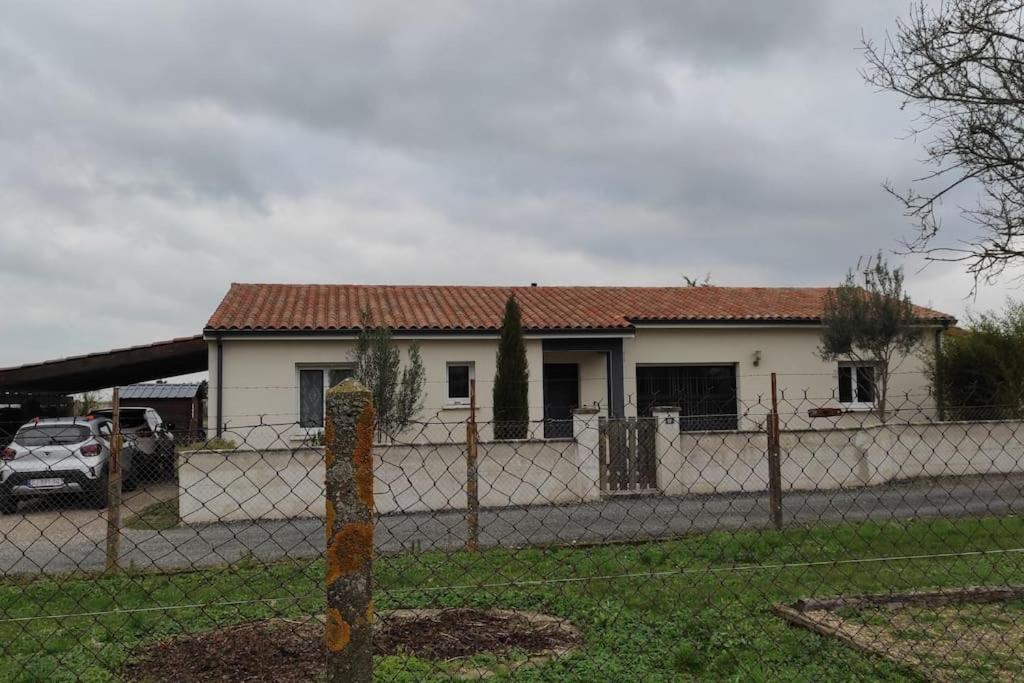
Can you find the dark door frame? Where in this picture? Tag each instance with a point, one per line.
(562, 379)
(612, 349)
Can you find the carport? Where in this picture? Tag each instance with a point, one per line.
(38, 389)
(104, 369)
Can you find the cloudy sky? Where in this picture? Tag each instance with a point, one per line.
(152, 153)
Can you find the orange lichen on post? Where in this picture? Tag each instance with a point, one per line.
(362, 456)
(349, 550)
(338, 633)
(331, 515)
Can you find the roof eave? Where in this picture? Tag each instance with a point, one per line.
(224, 333)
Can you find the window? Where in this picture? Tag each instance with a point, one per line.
(857, 384)
(459, 376)
(51, 435)
(313, 386)
(706, 394)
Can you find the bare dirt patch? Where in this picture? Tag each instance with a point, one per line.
(293, 650)
(971, 634)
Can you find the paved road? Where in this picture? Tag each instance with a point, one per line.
(619, 519)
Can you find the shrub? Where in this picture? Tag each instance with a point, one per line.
(979, 374)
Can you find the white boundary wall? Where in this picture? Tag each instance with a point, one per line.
(280, 484)
(732, 462)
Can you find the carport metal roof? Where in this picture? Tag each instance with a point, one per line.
(104, 369)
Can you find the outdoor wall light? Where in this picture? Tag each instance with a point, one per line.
(757, 358)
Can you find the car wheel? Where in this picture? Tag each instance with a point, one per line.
(169, 467)
(8, 505)
(98, 495)
(130, 482)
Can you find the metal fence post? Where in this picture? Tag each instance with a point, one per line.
(472, 475)
(348, 437)
(113, 491)
(774, 460)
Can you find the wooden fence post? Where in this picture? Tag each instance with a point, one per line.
(114, 488)
(774, 460)
(348, 437)
(472, 475)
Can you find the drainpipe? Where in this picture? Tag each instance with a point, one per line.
(220, 386)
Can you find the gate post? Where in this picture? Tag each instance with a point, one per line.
(668, 456)
(587, 478)
(348, 437)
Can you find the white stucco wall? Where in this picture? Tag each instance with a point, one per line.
(731, 462)
(281, 484)
(260, 377)
(789, 351)
(261, 384)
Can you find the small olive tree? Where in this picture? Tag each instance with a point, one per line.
(397, 391)
(870, 320)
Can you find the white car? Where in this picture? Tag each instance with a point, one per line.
(62, 455)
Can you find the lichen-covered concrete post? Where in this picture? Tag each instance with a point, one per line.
(348, 437)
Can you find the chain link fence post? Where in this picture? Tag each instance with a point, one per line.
(113, 488)
(774, 460)
(472, 475)
(348, 436)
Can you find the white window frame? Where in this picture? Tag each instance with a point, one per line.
(855, 404)
(325, 368)
(458, 401)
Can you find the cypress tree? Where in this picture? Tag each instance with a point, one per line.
(511, 379)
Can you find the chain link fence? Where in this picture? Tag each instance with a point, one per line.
(796, 537)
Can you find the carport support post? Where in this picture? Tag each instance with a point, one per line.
(348, 436)
(114, 488)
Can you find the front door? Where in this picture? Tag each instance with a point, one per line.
(561, 397)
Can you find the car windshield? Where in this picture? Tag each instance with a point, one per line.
(51, 435)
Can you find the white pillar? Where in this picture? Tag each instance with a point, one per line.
(667, 451)
(587, 481)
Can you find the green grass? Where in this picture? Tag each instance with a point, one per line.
(158, 516)
(692, 609)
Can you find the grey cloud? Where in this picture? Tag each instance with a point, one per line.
(181, 146)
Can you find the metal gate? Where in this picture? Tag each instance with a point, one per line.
(628, 463)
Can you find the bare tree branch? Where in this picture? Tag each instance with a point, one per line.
(962, 65)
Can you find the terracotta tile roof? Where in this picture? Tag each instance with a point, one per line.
(276, 307)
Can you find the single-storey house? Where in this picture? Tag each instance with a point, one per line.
(274, 349)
